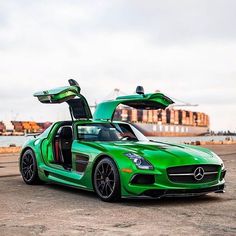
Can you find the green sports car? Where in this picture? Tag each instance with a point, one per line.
(113, 158)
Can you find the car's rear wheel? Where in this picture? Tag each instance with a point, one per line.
(106, 180)
(28, 168)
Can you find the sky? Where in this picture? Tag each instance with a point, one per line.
(184, 48)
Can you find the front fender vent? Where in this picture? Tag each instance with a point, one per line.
(81, 162)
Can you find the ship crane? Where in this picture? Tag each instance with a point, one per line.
(111, 96)
(182, 103)
(114, 94)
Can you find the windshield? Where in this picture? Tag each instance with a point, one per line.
(109, 132)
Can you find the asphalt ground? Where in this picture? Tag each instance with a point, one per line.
(56, 210)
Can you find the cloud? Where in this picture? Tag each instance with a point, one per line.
(184, 48)
(171, 21)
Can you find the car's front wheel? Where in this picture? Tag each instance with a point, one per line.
(106, 180)
(28, 168)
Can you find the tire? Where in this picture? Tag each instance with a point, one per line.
(28, 168)
(106, 180)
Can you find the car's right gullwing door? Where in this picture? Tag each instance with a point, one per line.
(151, 101)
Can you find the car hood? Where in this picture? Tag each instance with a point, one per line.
(165, 154)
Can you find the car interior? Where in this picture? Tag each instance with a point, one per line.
(62, 146)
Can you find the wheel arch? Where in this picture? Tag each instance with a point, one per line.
(38, 177)
(25, 149)
(99, 158)
(22, 153)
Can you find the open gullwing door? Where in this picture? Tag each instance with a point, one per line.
(78, 104)
(151, 101)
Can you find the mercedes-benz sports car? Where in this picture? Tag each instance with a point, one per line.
(113, 158)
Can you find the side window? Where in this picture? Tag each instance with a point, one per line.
(89, 133)
(98, 132)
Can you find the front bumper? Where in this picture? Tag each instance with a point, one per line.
(163, 187)
(155, 193)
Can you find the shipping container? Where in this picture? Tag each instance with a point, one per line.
(134, 115)
(155, 114)
(163, 117)
(145, 116)
(150, 116)
(176, 117)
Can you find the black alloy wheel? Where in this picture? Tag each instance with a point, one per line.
(107, 180)
(28, 168)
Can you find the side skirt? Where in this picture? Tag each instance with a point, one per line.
(64, 177)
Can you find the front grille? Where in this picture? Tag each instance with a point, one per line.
(188, 174)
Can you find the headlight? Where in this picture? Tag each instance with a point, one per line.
(139, 161)
(222, 166)
(214, 155)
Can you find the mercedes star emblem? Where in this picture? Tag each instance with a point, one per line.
(198, 173)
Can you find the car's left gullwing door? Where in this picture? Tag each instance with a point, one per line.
(78, 104)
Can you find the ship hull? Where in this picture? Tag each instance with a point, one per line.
(152, 129)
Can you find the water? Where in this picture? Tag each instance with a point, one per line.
(192, 139)
(5, 141)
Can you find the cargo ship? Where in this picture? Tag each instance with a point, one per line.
(169, 122)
